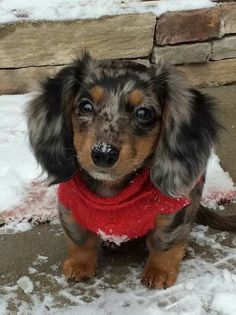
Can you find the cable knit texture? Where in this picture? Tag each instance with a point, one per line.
(129, 214)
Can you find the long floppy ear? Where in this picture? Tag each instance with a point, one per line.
(188, 132)
(49, 127)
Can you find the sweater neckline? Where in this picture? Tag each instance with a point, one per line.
(140, 183)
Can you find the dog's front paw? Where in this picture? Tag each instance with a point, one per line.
(76, 271)
(154, 277)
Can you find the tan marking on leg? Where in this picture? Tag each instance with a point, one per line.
(81, 262)
(162, 268)
(163, 220)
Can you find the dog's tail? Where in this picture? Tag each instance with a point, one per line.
(215, 220)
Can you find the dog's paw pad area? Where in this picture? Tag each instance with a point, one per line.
(34, 258)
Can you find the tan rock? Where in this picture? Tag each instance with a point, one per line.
(186, 53)
(55, 43)
(23, 80)
(188, 26)
(211, 74)
(224, 48)
(229, 17)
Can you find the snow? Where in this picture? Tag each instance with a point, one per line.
(113, 238)
(219, 187)
(24, 10)
(26, 284)
(3, 305)
(40, 260)
(103, 147)
(224, 303)
(32, 270)
(15, 227)
(18, 166)
(206, 286)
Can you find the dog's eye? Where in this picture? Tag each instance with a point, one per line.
(144, 114)
(85, 107)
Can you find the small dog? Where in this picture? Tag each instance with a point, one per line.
(103, 129)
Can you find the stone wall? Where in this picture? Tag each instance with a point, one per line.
(201, 42)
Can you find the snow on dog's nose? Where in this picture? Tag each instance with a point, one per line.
(104, 154)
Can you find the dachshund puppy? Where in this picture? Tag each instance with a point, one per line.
(108, 130)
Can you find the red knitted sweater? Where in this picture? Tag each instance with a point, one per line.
(129, 214)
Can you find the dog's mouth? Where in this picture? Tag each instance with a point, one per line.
(104, 175)
(114, 174)
(100, 173)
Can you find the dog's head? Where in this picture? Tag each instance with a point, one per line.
(111, 118)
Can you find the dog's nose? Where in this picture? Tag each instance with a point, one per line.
(104, 154)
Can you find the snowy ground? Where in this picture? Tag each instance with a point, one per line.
(15, 10)
(206, 284)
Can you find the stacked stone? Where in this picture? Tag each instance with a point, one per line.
(31, 50)
(202, 41)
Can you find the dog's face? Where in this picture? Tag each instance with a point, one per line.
(111, 117)
(116, 120)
